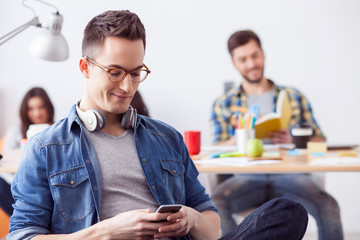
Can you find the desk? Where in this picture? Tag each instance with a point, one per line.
(10, 161)
(288, 164)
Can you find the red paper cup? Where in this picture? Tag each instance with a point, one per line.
(193, 141)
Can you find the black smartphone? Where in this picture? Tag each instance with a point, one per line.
(173, 208)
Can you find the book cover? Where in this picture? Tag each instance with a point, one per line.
(275, 121)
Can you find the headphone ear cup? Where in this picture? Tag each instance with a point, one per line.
(134, 117)
(88, 118)
(129, 118)
(100, 117)
(92, 119)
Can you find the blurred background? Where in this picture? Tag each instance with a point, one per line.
(311, 45)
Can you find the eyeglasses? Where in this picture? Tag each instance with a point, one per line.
(118, 74)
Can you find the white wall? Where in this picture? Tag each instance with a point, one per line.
(312, 45)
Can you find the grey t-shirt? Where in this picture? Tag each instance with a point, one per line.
(266, 104)
(265, 101)
(124, 185)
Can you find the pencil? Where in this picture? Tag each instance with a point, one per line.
(253, 123)
(243, 121)
(234, 121)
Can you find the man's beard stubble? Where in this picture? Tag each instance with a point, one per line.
(256, 81)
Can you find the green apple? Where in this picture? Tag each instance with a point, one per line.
(254, 148)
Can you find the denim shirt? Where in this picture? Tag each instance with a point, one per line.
(57, 188)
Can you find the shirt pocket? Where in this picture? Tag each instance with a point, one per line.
(173, 177)
(72, 193)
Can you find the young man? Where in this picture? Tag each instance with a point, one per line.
(244, 191)
(101, 173)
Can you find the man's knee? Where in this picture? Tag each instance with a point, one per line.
(290, 210)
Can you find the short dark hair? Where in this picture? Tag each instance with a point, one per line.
(124, 24)
(24, 108)
(240, 38)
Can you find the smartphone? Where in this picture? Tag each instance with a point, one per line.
(169, 208)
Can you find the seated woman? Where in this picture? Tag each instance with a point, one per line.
(35, 108)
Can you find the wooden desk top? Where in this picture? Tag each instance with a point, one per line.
(288, 164)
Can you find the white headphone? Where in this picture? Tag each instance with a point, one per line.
(95, 119)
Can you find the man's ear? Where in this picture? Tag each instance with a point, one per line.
(84, 66)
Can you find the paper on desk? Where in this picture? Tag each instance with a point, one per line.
(334, 160)
(236, 162)
(288, 146)
(218, 148)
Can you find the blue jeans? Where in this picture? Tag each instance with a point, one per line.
(6, 199)
(244, 191)
(279, 218)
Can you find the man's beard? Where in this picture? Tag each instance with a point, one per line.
(256, 81)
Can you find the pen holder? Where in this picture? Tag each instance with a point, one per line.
(242, 136)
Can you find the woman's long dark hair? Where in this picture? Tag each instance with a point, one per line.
(138, 103)
(24, 108)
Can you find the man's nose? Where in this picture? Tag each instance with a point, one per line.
(126, 84)
(250, 63)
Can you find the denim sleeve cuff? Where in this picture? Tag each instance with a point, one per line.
(206, 206)
(26, 233)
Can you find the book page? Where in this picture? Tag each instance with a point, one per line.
(284, 109)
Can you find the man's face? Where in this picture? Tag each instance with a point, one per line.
(110, 97)
(249, 59)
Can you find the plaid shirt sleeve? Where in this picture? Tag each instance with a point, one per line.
(302, 110)
(220, 122)
(221, 125)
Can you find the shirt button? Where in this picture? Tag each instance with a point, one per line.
(153, 187)
(95, 188)
(144, 159)
(72, 182)
(87, 161)
(174, 171)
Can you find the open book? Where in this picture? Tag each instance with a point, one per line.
(275, 121)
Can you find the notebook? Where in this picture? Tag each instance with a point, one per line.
(276, 120)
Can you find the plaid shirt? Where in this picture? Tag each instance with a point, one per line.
(222, 128)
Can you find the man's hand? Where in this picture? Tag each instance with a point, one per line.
(281, 136)
(144, 224)
(136, 224)
(181, 223)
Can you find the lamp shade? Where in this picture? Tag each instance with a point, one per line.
(51, 47)
(51, 44)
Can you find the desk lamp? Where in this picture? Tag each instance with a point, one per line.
(50, 44)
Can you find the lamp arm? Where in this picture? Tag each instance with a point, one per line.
(43, 2)
(13, 33)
